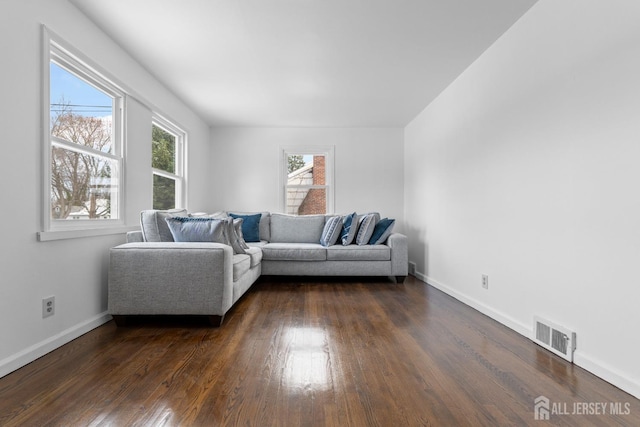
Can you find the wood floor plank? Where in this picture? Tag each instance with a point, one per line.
(308, 352)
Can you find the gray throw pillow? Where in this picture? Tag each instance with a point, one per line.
(366, 226)
(331, 231)
(153, 224)
(185, 229)
(237, 226)
(233, 237)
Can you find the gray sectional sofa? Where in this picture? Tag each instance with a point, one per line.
(152, 274)
(291, 246)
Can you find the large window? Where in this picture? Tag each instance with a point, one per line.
(83, 153)
(307, 180)
(167, 164)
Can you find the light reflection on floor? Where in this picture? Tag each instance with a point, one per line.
(307, 364)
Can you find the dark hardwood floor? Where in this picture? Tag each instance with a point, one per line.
(311, 352)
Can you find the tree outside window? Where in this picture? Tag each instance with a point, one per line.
(166, 155)
(84, 167)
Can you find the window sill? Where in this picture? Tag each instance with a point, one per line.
(45, 236)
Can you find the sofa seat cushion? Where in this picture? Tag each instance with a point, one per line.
(241, 264)
(294, 252)
(255, 255)
(259, 244)
(359, 253)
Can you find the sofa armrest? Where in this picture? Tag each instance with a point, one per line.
(135, 236)
(170, 278)
(399, 254)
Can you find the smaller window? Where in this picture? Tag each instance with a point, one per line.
(307, 181)
(167, 152)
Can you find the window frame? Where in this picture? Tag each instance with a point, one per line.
(55, 50)
(179, 150)
(329, 186)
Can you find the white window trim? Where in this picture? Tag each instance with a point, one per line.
(328, 151)
(56, 48)
(180, 164)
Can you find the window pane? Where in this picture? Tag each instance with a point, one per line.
(79, 112)
(163, 150)
(302, 201)
(82, 185)
(164, 192)
(306, 169)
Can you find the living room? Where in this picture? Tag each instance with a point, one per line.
(522, 169)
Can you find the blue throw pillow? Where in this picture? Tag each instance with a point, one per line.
(382, 231)
(185, 229)
(331, 231)
(349, 228)
(250, 226)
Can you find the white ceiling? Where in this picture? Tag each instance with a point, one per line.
(333, 63)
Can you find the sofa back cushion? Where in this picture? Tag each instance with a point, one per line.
(296, 229)
(154, 225)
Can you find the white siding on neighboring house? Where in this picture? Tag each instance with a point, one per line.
(295, 197)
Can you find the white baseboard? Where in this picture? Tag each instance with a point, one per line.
(586, 362)
(32, 353)
(508, 321)
(609, 374)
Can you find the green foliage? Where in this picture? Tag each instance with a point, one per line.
(164, 193)
(295, 162)
(163, 157)
(163, 150)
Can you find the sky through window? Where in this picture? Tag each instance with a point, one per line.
(75, 95)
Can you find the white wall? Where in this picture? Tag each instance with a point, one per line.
(368, 167)
(526, 169)
(73, 270)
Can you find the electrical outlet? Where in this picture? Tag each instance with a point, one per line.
(48, 306)
(485, 281)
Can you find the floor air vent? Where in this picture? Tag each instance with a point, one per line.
(554, 338)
